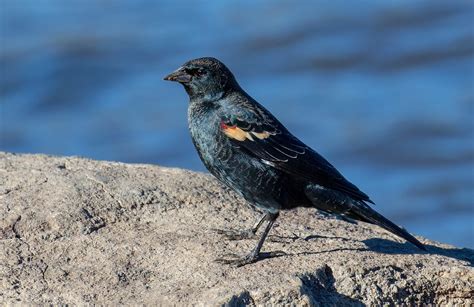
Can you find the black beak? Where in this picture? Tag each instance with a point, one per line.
(179, 75)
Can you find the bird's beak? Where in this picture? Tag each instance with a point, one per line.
(179, 75)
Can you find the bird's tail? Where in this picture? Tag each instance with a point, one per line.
(363, 212)
(336, 202)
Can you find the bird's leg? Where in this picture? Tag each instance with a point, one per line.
(254, 255)
(246, 234)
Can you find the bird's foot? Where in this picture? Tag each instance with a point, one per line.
(238, 261)
(234, 235)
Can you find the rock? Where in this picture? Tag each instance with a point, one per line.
(76, 231)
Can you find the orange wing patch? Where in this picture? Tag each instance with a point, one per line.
(238, 134)
(262, 135)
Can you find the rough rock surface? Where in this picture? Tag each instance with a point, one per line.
(77, 231)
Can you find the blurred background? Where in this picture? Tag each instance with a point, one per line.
(383, 89)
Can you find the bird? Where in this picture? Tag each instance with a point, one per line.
(249, 150)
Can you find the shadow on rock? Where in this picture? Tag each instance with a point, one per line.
(383, 246)
(396, 248)
(320, 289)
(243, 299)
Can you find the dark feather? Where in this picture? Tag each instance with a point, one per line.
(285, 152)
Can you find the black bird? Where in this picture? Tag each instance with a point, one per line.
(249, 150)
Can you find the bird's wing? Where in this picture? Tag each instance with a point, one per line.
(268, 140)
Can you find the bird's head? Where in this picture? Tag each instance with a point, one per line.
(204, 78)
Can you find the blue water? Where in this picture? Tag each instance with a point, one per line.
(383, 89)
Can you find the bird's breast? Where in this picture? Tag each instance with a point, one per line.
(257, 182)
(221, 157)
(211, 144)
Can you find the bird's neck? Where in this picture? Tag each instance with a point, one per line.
(200, 105)
(204, 96)
(211, 94)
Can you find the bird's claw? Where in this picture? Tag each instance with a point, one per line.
(235, 235)
(237, 261)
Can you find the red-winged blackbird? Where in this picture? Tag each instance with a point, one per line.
(249, 150)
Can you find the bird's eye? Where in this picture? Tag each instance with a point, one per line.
(196, 71)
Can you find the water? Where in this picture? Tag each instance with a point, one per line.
(383, 89)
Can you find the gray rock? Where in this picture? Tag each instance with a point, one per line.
(77, 231)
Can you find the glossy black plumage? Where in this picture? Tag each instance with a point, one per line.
(249, 150)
